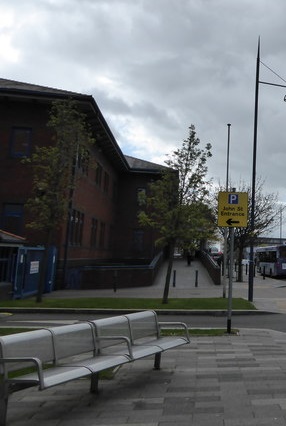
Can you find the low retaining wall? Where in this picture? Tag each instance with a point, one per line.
(212, 267)
(113, 276)
(6, 290)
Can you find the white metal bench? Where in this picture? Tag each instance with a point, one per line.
(58, 355)
(112, 327)
(64, 353)
(144, 332)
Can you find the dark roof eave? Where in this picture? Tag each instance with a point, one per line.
(115, 146)
(58, 94)
(153, 171)
(44, 94)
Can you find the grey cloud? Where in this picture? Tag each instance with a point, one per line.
(167, 64)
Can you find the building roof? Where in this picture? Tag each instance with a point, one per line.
(104, 137)
(8, 238)
(136, 164)
(12, 85)
(105, 140)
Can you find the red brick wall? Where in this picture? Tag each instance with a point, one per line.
(119, 214)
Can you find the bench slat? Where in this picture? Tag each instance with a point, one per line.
(100, 362)
(53, 376)
(31, 344)
(73, 340)
(143, 325)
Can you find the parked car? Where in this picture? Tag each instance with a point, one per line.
(178, 254)
(215, 253)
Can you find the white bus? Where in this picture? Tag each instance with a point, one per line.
(271, 260)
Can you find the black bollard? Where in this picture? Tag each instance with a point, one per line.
(174, 278)
(197, 276)
(229, 325)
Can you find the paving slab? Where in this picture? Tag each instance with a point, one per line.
(218, 381)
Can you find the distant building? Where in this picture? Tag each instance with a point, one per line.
(105, 233)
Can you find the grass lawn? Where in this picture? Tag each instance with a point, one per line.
(219, 303)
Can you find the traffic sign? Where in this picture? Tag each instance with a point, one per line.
(233, 209)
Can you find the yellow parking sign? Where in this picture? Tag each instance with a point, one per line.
(233, 209)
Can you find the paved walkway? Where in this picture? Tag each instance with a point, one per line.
(268, 294)
(215, 381)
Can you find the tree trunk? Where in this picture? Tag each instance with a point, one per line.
(168, 275)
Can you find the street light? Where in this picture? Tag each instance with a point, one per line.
(225, 229)
(252, 213)
(227, 158)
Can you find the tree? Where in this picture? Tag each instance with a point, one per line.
(54, 169)
(175, 205)
(266, 217)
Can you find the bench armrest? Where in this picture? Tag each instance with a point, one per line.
(33, 360)
(177, 325)
(121, 339)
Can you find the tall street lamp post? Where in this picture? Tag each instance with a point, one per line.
(252, 213)
(225, 229)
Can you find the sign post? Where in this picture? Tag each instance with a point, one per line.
(232, 213)
(229, 310)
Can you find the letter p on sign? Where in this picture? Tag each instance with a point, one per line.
(232, 198)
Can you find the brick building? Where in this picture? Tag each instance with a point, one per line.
(104, 231)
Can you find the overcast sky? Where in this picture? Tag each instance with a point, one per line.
(157, 66)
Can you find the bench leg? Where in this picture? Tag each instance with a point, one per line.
(157, 361)
(94, 383)
(3, 402)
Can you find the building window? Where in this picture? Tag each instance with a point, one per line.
(98, 174)
(13, 215)
(141, 196)
(83, 163)
(138, 240)
(111, 237)
(93, 233)
(106, 182)
(115, 191)
(102, 235)
(20, 143)
(76, 228)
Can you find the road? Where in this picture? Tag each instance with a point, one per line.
(275, 321)
(269, 295)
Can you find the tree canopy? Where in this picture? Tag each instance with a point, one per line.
(54, 166)
(175, 203)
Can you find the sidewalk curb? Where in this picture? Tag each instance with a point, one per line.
(108, 311)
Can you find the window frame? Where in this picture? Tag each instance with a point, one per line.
(16, 210)
(76, 228)
(94, 232)
(17, 153)
(98, 174)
